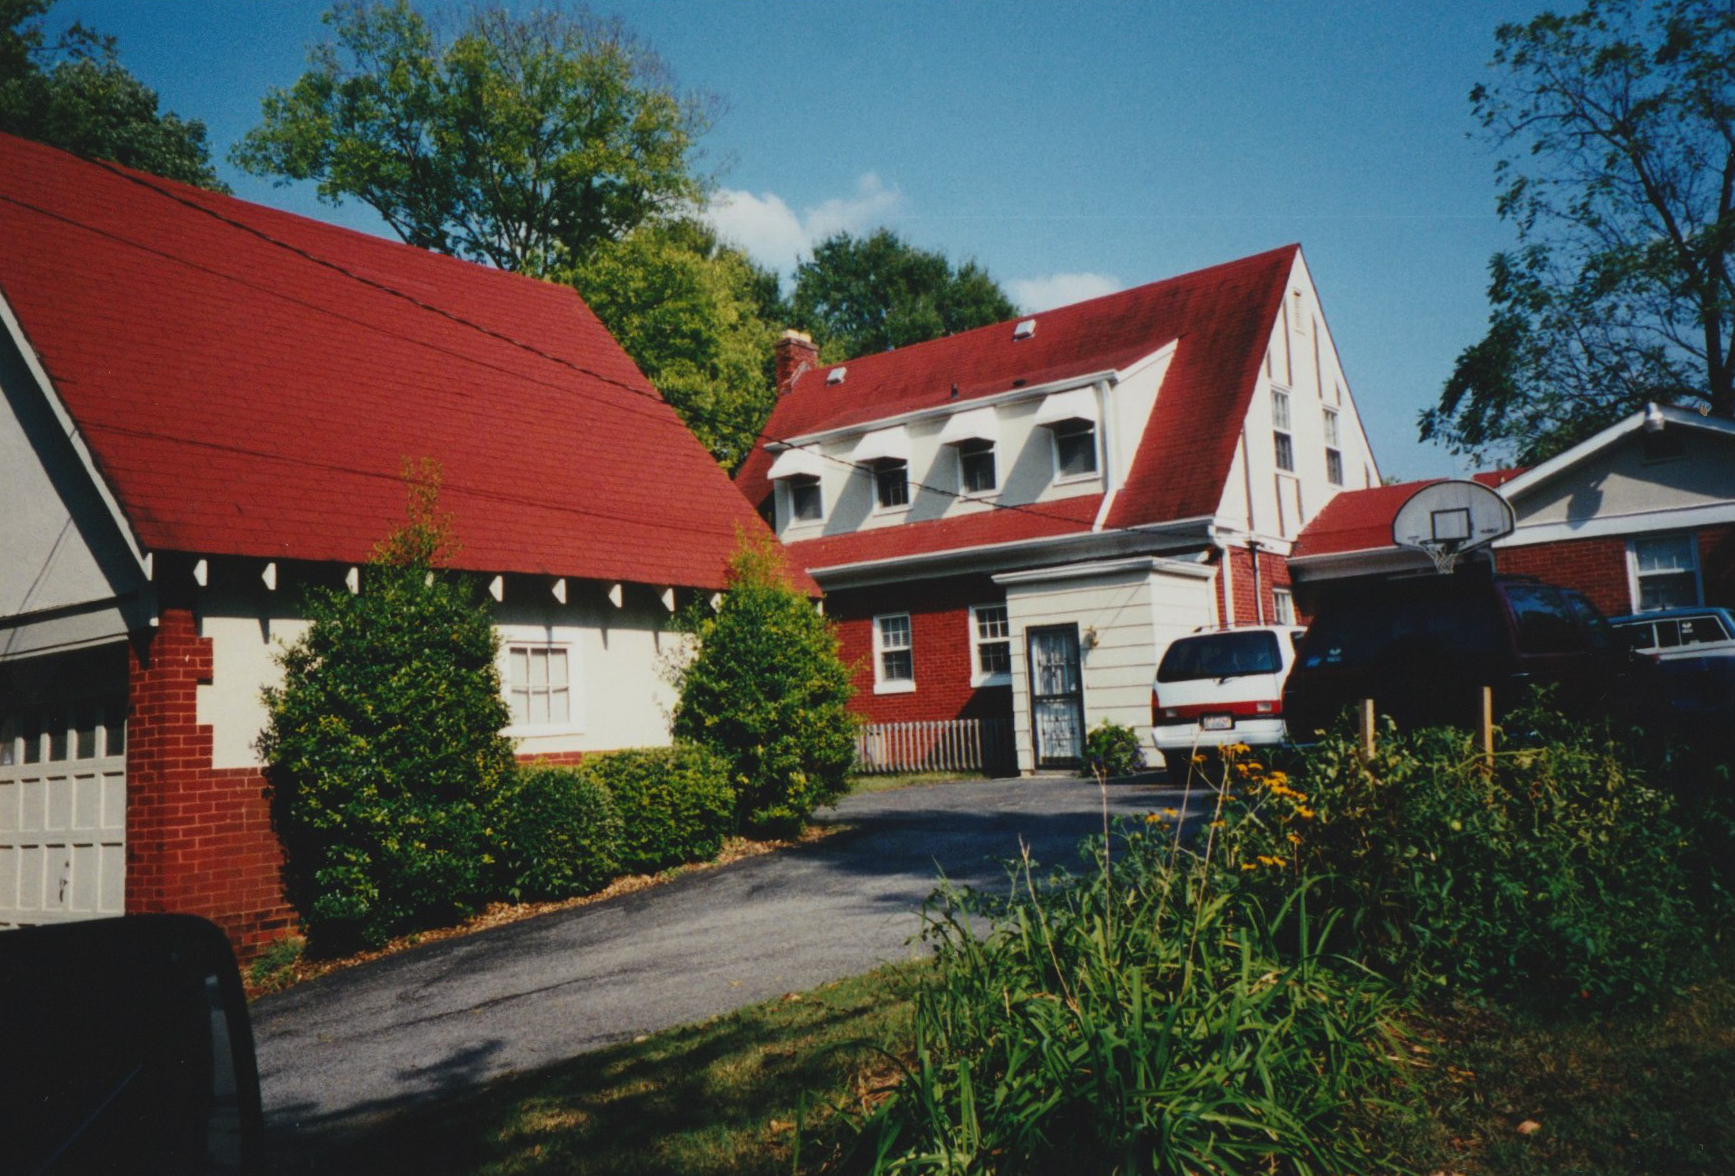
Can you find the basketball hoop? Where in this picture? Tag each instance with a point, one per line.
(1447, 520)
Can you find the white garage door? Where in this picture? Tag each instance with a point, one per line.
(62, 812)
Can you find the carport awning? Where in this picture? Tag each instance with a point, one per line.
(883, 445)
(976, 424)
(796, 462)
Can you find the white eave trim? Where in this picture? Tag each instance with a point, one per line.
(1672, 418)
(882, 445)
(69, 428)
(796, 462)
(973, 424)
(1014, 396)
(1184, 531)
(1108, 567)
(1678, 518)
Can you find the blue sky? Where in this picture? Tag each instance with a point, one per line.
(1071, 149)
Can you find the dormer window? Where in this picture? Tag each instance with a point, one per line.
(1070, 418)
(973, 435)
(1074, 449)
(805, 502)
(892, 483)
(976, 473)
(798, 470)
(887, 453)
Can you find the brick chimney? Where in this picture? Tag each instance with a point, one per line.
(795, 355)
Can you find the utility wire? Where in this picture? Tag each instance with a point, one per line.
(389, 290)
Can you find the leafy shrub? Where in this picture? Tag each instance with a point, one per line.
(674, 803)
(558, 833)
(383, 745)
(1134, 1020)
(1113, 750)
(1556, 875)
(767, 692)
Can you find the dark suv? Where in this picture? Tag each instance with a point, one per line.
(1422, 647)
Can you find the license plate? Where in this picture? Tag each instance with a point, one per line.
(1217, 722)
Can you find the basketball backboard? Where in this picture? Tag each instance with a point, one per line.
(1446, 519)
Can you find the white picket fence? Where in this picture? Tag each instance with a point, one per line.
(952, 745)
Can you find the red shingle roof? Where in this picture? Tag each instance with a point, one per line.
(251, 382)
(1220, 318)
(1361, 520)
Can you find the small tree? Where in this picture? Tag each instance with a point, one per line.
(767, 692)
(383, 743)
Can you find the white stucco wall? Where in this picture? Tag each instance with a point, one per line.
(1621, 482)
(619, 697)
(1135, 607)
(1271, 504)
(63, 561)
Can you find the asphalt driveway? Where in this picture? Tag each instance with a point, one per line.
(337, 1053)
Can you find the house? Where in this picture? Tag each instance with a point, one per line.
(1641, 516)
(1011, 524)
(207, 406)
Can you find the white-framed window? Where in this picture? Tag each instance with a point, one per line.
(1333, 449)
(805, 501)
(1282, 606)
(990, 645)
(976, 472)
(1282, 443)
(894, 655)
(538, 678)
(1074, 449)
(1665, 572)
(892, 484)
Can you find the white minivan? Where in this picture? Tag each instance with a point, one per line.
(1221, 686)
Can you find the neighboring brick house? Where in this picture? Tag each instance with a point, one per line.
(207, 406)
(1071, 490)
(1640, 516)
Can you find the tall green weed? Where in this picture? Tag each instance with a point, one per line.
(1136, 1019)
(1558, 874)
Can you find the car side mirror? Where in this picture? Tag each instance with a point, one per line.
(127, 1048)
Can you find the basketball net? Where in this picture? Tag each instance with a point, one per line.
(1444, 553)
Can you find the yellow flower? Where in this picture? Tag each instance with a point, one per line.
(1247, 865)
(1304, 813)
(1153, 819)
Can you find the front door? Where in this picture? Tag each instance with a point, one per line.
(1056, 696)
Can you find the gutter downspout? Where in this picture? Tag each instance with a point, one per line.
(1258, 596)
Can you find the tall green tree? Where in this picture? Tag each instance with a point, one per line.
(767, 692)
(858, 295)
(699, 318)
(383, 745)
(72, 92)
(1616, 125)
(523, 140)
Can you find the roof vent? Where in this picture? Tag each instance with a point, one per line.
(836, 375)
(1024, 330)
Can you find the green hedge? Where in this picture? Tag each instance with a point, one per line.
(558, 833)
(675, 803)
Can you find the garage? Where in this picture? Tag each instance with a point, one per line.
(62, 788)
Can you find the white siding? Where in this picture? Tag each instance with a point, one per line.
(616, 656)
(1135, 607)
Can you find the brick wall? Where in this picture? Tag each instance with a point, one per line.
(199, 840)
(1273, 574)
(940, 642)
(1596, 567)
(1717, 565)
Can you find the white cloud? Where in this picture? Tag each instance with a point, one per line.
(1037, 294)
(775, 235)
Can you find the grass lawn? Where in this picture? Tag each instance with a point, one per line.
(891, 781)
(721, 1098)
(1639, 1094)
